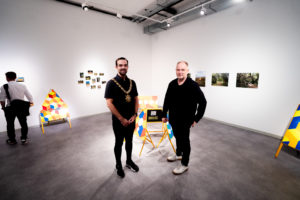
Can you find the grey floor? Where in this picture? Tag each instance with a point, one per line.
(78, 164)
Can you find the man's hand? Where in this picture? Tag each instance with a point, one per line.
(132, 119)
(194, 124)
(124, 122)
(164, 120)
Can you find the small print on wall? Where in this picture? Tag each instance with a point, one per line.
(219, 79)
(247, 80)
(200, 78)
(91, 79)
(20, 79)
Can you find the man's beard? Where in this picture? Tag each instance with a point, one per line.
(123, 72)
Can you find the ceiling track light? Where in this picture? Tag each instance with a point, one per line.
(119, 16)
(202, 11)
(85, 7)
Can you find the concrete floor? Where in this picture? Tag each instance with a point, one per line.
(78, 164)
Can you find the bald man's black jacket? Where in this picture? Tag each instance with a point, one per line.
(186, 103)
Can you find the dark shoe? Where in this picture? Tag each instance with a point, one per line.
(24, 141)
(131, 165)
(120, 171)
(11, 142)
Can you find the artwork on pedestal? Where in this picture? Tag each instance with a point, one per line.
(53, 109)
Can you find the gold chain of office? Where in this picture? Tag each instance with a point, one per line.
(127, 96)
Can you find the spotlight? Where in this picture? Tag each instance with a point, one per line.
(85, 7)
(168, 24)
(202, 11)
(119, 16)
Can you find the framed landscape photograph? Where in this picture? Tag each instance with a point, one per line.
(200, 78)
(219, 79)
(247, 80)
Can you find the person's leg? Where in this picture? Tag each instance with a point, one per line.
(186, 146)
(178, 137)
(10, 119)
(128, 140)
(119, 138)
(24, 128)
(128, 146)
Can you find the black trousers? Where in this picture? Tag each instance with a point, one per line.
(10, 119)
(122, 132)
(183, 146)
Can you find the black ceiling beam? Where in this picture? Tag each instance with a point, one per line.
(170, 10)
(77, 4)
(162, 8)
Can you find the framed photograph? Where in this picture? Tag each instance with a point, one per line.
(93, 80)
(99, 86)
(219, 79)
(20, 79)
(247, 80)
(96, 74)
(103, 82)
(81, 74)
(200, 78)
(90, 71)
(87, 83)
(93, 86)
(80, 82)
(98, 79)
(87, 78)
(101, 74)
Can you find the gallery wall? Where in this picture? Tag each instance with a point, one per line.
(260, 36)
(49, 43)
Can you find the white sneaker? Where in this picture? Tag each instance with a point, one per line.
(174, 158)
(181, 169)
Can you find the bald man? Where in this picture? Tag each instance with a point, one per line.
(186, 105)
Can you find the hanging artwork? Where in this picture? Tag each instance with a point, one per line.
(93, 79)
(53, 109)
(247, 80)
(200, 78)
(219, 79)
(20, 79)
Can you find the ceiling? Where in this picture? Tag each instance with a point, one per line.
(155, 15)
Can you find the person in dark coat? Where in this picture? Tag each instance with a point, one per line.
(186, 105)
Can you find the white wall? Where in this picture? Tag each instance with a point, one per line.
(49, 43)
(260, 36)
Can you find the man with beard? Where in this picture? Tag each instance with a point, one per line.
(183, 98)
(122, 100)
